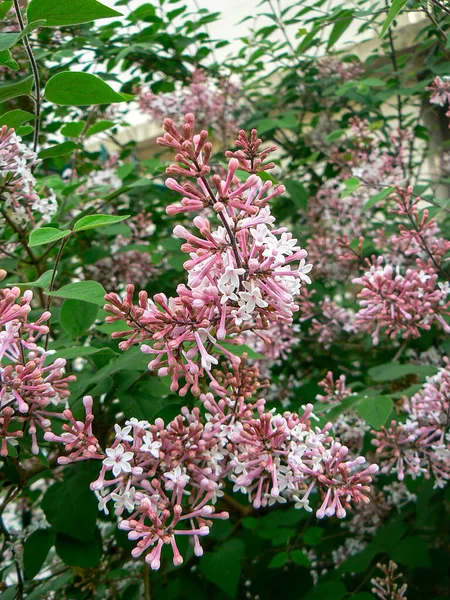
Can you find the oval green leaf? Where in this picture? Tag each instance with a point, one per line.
(46, 235)
(77, 316)
(36, 549)
(93, 221)
(80, 89)
(89, 291)
(375, 410)
(21, 87)
(58, 150)
(15, 118)
(69, 12)
(396, 7)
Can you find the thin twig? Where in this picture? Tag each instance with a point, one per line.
(397, 79)
(147, 588)
(435, 23)
(52, 283)
(441, 6)
(34, 68)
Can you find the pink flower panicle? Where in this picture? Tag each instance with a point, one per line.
(440, 91)
(335, 391)
(419, 235)
(401, 303)
(29, 387)
(216, 104)
(17, 183)
(78, 438)
(331, 66)
(388, 587)
(242, 276)
(421, 445)
(334, 322)
(349, 428)
(169, 478)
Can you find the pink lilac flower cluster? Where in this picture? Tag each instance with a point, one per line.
(242, 275)
(405, 301)
(17, 183)
(349, 428)
(419, 237)
(30, 386)
(216, 104)
(170, 477)
(331, 66)
(77, 437)
(128, 259)
(339, 214)
(400, 303)
(388, 587)
(420, 446)
(274, 344)
(333, 322)
(440, 93)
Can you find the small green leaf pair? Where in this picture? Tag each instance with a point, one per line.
(47, 235)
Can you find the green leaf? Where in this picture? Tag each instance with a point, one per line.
(77, 316)
(36, 549)
(134, 406)
(73, 129)
(25, 130)
(394, 370)
(68, 12)
(372, 82)
(332, 590)
(5, 7)
(351, 185)
(373, 200)
(99, 127)
(89, 291)
(109, 328)
(335, 135)
(359, 562)
(80, 351)
(7, 40)
(58, 150)
(223, 567)
(279, 560)
(15, 118)
(312, 536)
(20, 87)
(94, 221)
(412, 552)
(46, 235)
(395, 8)
(42, 282)
(343, 21)
(331, 413)
(375, 410)
(80, 89)
(7, 60)
(297, 192)
(71, 507)
(301, 559)
(388, 536)
(78, 553)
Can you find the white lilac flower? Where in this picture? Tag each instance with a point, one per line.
(150, 445)
(118, 459)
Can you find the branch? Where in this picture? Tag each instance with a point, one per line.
(34, 68)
